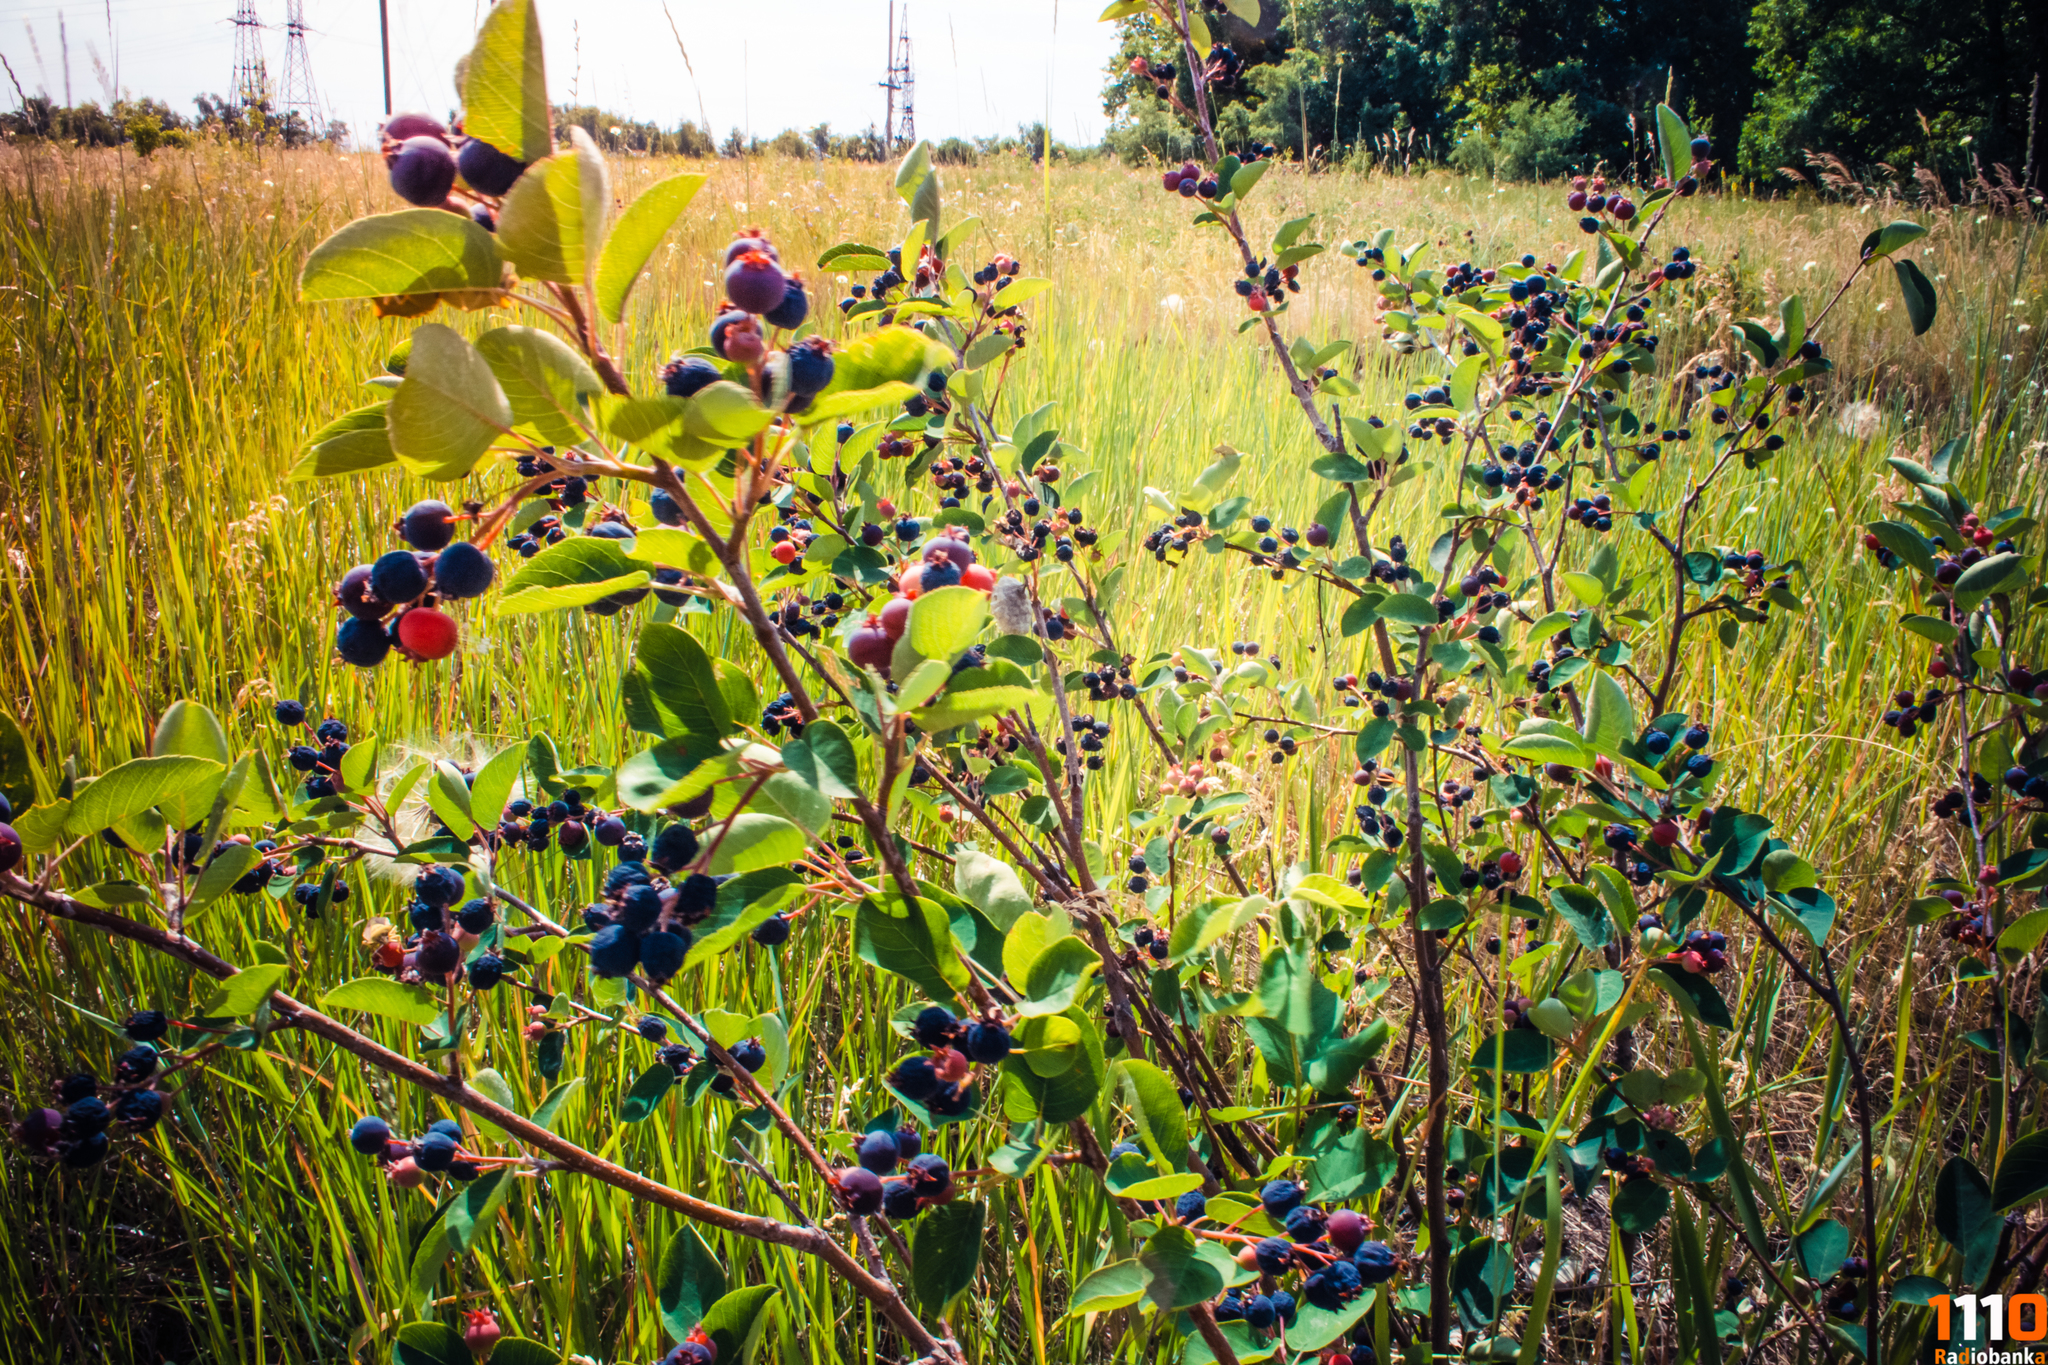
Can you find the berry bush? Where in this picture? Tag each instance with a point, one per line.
(1412, 956)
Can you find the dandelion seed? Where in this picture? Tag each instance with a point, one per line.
(1173, 303)
(1809, 265)
(1860, 420)
(2024, 327)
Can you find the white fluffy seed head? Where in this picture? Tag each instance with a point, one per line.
(1010, 605)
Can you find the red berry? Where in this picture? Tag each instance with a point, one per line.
(784, 551)
(895, 618)
(427, 633)
(870, 647)
(1664, 833)
(1511, 865)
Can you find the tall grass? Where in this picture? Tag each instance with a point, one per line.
(159, 375)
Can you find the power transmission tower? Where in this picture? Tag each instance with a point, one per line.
(899, 123)
(251, 84)
(297, 92)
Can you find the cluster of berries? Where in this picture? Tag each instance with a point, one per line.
(1260, 1312)
(1841, 1292)
(874, 1183)
(1952, 805)
(2020, 679)
(1974, 927)
(1150, 940)
(1188, 180)
(1193, 779)
(875, 1186)
(319, 761)
(1698, 763)
(411, 582)
(1329, 1247)
(945, 563)
(1590, 197)
(1595, 513)
(1521, 471)
(1109, 682)
(2032, 786)
(1090, 731)
(940, 1081)
(407, 1164)
(569, 823)
(643, 923)
(440, 936)
(424, 158)
(1161, 75)
(1261, 286)
(758, 291)
(1907, 714)
(1628, 1165)
(77, 1133)
(1703, 951)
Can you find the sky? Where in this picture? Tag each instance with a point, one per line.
(981, 66)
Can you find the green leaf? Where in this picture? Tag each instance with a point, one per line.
(414, 251)
(448, 409)
(138, 785)
(524, 1351)
(853, 256)
(1292, 994)
(553, 220)
(689, 1281)
(1584, 911)
(1481, 1277)
(944, 623)
(505, 87)
(189, 728)
(824, 758)
(1610, 719)
(495, 780)
(736, 1321)
(647, 1092)
(1966, 1215)
(241, 993)
(1071, 1090)
(1822, 1248)
(1055, 976)
(1695, 993)
(1919, 295)
(551, 1107)
(672, 771)
(1515, 1051)
(682, 680)
(1116, 1285)
(945, 1251)
(477, 1206)
(1674, 142)
(2022, 1173)
(571, 573)
(866, 371)
(1155, 1106)
(430, 1343)
(17, 769)
(640, 229)
(448, 797)
(381, 995)
(754, 840)
(1893, 235)
(1176, 1275)
(544, 380)
(350, 444)
(1996, 574)
(220, 874)
(1640, 1205)
(1408, 608)
(992, 884)
(915, 941)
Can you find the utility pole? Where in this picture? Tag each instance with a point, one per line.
(251, 85)
(384, 31)
(888, 83)
(298, 92)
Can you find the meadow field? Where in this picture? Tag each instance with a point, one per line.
(158, 377)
